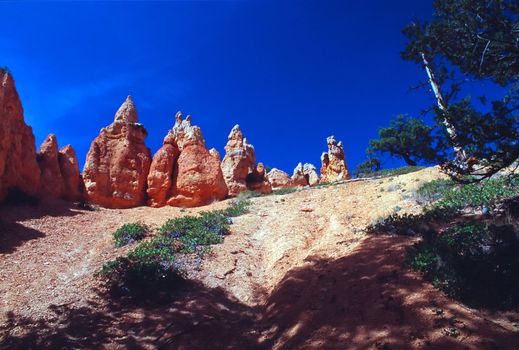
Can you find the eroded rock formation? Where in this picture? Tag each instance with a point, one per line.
(184, 173)
(18, 166)
(239, 161)
(298, 176)
(334, 166)
(72, 180)
(118, 162)
(279, 179)
(239, 166)
(52, 184)
(257, 180)
(305, 175)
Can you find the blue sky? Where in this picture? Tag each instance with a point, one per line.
(290, 73)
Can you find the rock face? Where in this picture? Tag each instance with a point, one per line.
(239, 166)
(184, 173)
(72, 180)
(118, 162)
(18, 166)
(298, 177)
(215, 154)
(239, 161)
(305, 175)
(310, 173)
(279, 179)
(257, 180)
(334, 166)
(52, 184)
(161, 172)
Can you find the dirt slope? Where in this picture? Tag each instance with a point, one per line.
(297, 272)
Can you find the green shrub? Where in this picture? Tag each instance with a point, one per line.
(283, 191)
(150, 269)
(249, 194)
(474, 262)
(130, 233)
(480, 194)
(153, 267)
(398, 171)
(193, 231)
(448, 194)
(434, 190)
(237, 207)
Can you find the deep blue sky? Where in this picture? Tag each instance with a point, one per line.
(290, 73)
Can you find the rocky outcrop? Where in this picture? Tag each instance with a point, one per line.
(52, 184)
(257, 180)
(215, 153)
(279, 179)
(18, 166)
(334, 166)
(239, 166)
(310, 173)
(118, 162)
(239, 161)
(298, 176)
(72, 180)
(161, 172)
(184, 173)
(305, 175)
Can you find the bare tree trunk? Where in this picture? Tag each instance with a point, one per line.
(449, 126)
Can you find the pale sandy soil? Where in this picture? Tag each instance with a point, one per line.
(297, 272)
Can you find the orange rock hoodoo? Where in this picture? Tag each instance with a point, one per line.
(118, 162)
(184, 172)
(120, 173)
(18, 166)
(239, 166)
(334, 166)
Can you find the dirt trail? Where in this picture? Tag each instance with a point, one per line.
(297, 272)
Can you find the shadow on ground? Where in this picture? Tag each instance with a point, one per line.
(360, 301)
(13, 234)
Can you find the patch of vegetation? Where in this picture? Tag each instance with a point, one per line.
(87, 206)
(155, 266)
(130, 233)
(237, 207)
(188, 233)
(434, 190)
(448, 194)
(474, 262)
(388, 172)
(249, 194)
(461, 252)
(150, 269)
(283, 191)
(398, 171)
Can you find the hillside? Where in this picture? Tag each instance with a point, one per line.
(297, 272)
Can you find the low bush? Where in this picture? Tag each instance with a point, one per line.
(283, 191)
(190, 232)
(154, 267)
(237, 207)
(389, 172)
(130, 233)
(249, 194)
(149, 269)
(474, 262)
(448, 194)
(472, 257)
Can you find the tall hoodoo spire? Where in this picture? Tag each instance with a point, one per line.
(127, 112)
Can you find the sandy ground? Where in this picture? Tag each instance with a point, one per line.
(297, 272)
